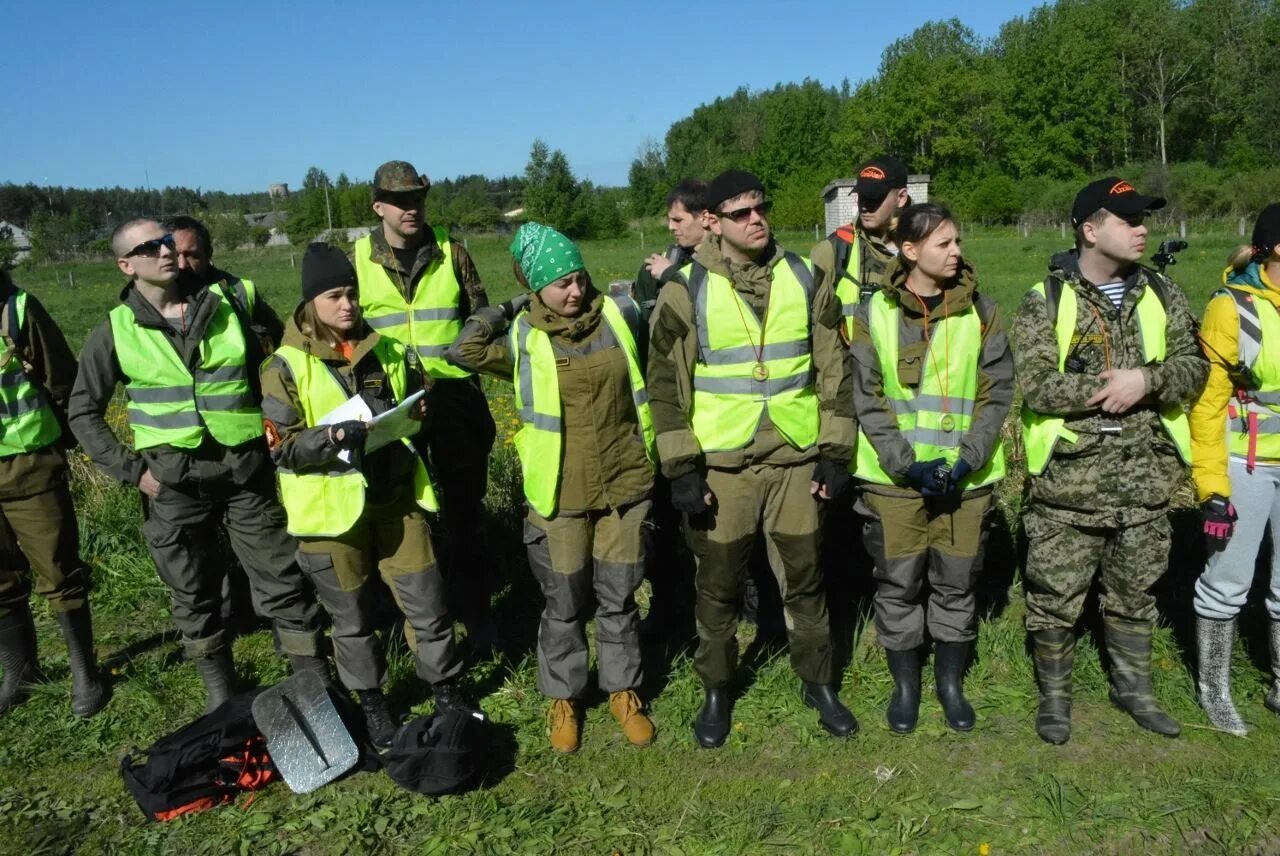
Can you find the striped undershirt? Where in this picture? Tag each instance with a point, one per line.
(1114, 291)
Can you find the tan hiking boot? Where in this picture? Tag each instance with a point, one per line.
(563, 719)
(636, 727)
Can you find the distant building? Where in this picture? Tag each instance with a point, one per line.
(840, 200)
(20, 237)
(278, 191)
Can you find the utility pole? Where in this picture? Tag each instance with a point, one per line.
(327, 210)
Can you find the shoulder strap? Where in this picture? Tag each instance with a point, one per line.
(1053, 286)
(630, 312)
(843, 248)
(697, 282)
(1159, 286)
(802, 273)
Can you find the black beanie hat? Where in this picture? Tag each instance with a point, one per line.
(324, 266)
(1266, 231)
(730, 184)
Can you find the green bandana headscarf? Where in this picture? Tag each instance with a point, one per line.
(544, 255)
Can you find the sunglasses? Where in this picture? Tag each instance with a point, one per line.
(741, 215)
(151, 248)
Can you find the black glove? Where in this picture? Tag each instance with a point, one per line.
(511, 308)
(1219, 521)
(833, 474)
(928, 477)
(688, 493)
(959, 472)
(353, 433)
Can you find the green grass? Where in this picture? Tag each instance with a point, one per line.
(778, 786)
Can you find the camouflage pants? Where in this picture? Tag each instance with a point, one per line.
(774, 499)
(39, 534)
(595, 558)
(394, 541)
(1063, 559)
(912, 541)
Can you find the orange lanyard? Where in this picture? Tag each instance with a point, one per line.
(948, 421)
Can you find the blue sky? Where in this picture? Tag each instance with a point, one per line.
(236, 95)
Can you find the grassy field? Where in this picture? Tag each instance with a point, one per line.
(778, 786)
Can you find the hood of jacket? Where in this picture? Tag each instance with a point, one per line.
(959, 290)
(573, 329)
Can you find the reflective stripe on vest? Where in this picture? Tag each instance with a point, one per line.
(935, 417)
(1040, 433)
(848, 278)
(540, 441)
(430, 322)
(170, 404)
(730, 392)
(1259, 323)
(27, 421)
(327, 503)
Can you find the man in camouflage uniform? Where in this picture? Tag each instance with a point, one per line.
(1106, 438)
(459, 430)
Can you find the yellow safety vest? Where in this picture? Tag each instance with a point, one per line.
(848, 276)
(734, 381)
(430, 322)
(171, 405)
(934, 417)
(540, 440)
(27, 420)
(1040, 432)
(327, 503)
(1257, 425)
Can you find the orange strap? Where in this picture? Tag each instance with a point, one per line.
(846, 234)
(1252, 458)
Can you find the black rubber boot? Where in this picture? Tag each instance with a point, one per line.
(836, 719)
(450, 697)
(1272, 700)
(904, 705)
(219, 676)
(377, 718)
(17, 657)
(89, 694)
(714, 719)
(1129, 644)
(949, 662)
(1055, 654)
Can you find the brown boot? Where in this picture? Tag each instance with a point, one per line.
(563, 718)
(626, 708)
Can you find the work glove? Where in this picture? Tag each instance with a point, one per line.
(959, 471)
(833, 474)
(689, 492)
(511, 308)
(1219, 521)
(928, 477)
(353, 433)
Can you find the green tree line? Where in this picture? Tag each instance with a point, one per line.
(1176, 95)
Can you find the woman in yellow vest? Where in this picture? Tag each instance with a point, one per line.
(357, 509)
(1235, 461)
(933, 383)
(586, 452)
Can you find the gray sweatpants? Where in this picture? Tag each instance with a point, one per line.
(1224, 584)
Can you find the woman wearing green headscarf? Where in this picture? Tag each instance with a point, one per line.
(587, 454)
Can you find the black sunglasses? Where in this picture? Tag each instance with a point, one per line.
(740, 215)
(152, 247)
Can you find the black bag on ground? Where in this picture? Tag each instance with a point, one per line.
(202, 765)
(439, 754)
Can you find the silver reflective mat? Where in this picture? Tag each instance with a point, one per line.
(305, 736)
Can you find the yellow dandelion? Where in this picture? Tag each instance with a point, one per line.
(738, 726)
(984, 849)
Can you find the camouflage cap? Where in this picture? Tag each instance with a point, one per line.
(399, 177)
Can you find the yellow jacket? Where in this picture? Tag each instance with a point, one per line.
(1219, 332)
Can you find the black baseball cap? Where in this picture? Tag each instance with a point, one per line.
(1114, 194)
(878, 176)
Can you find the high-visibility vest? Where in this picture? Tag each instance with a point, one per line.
(1041, 432)
(27, 420)
(1257, 433)
(734, 381)
(171, 405)
(935, 416)
(430, 322)
(327, 503)
(848, 260)
(540, 440)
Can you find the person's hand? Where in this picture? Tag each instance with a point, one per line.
(349, 434)
(1219, 521)
(419, 410)
(148, 484)
(511, 308)
(924, 477)
(959, 472)
(657, 265)
(830, 479)
(1124, 389)
(690, 494)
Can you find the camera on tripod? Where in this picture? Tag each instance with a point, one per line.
(1165, 253)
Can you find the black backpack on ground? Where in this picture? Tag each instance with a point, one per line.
(439, 754)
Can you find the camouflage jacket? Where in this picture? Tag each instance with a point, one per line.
(472, 296)
(1107, 479)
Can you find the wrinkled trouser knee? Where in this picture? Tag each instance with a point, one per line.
(580, 561)
(774, 500)
(1063, 559)
(913, 541)
(39, 539)
(1223, 586)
